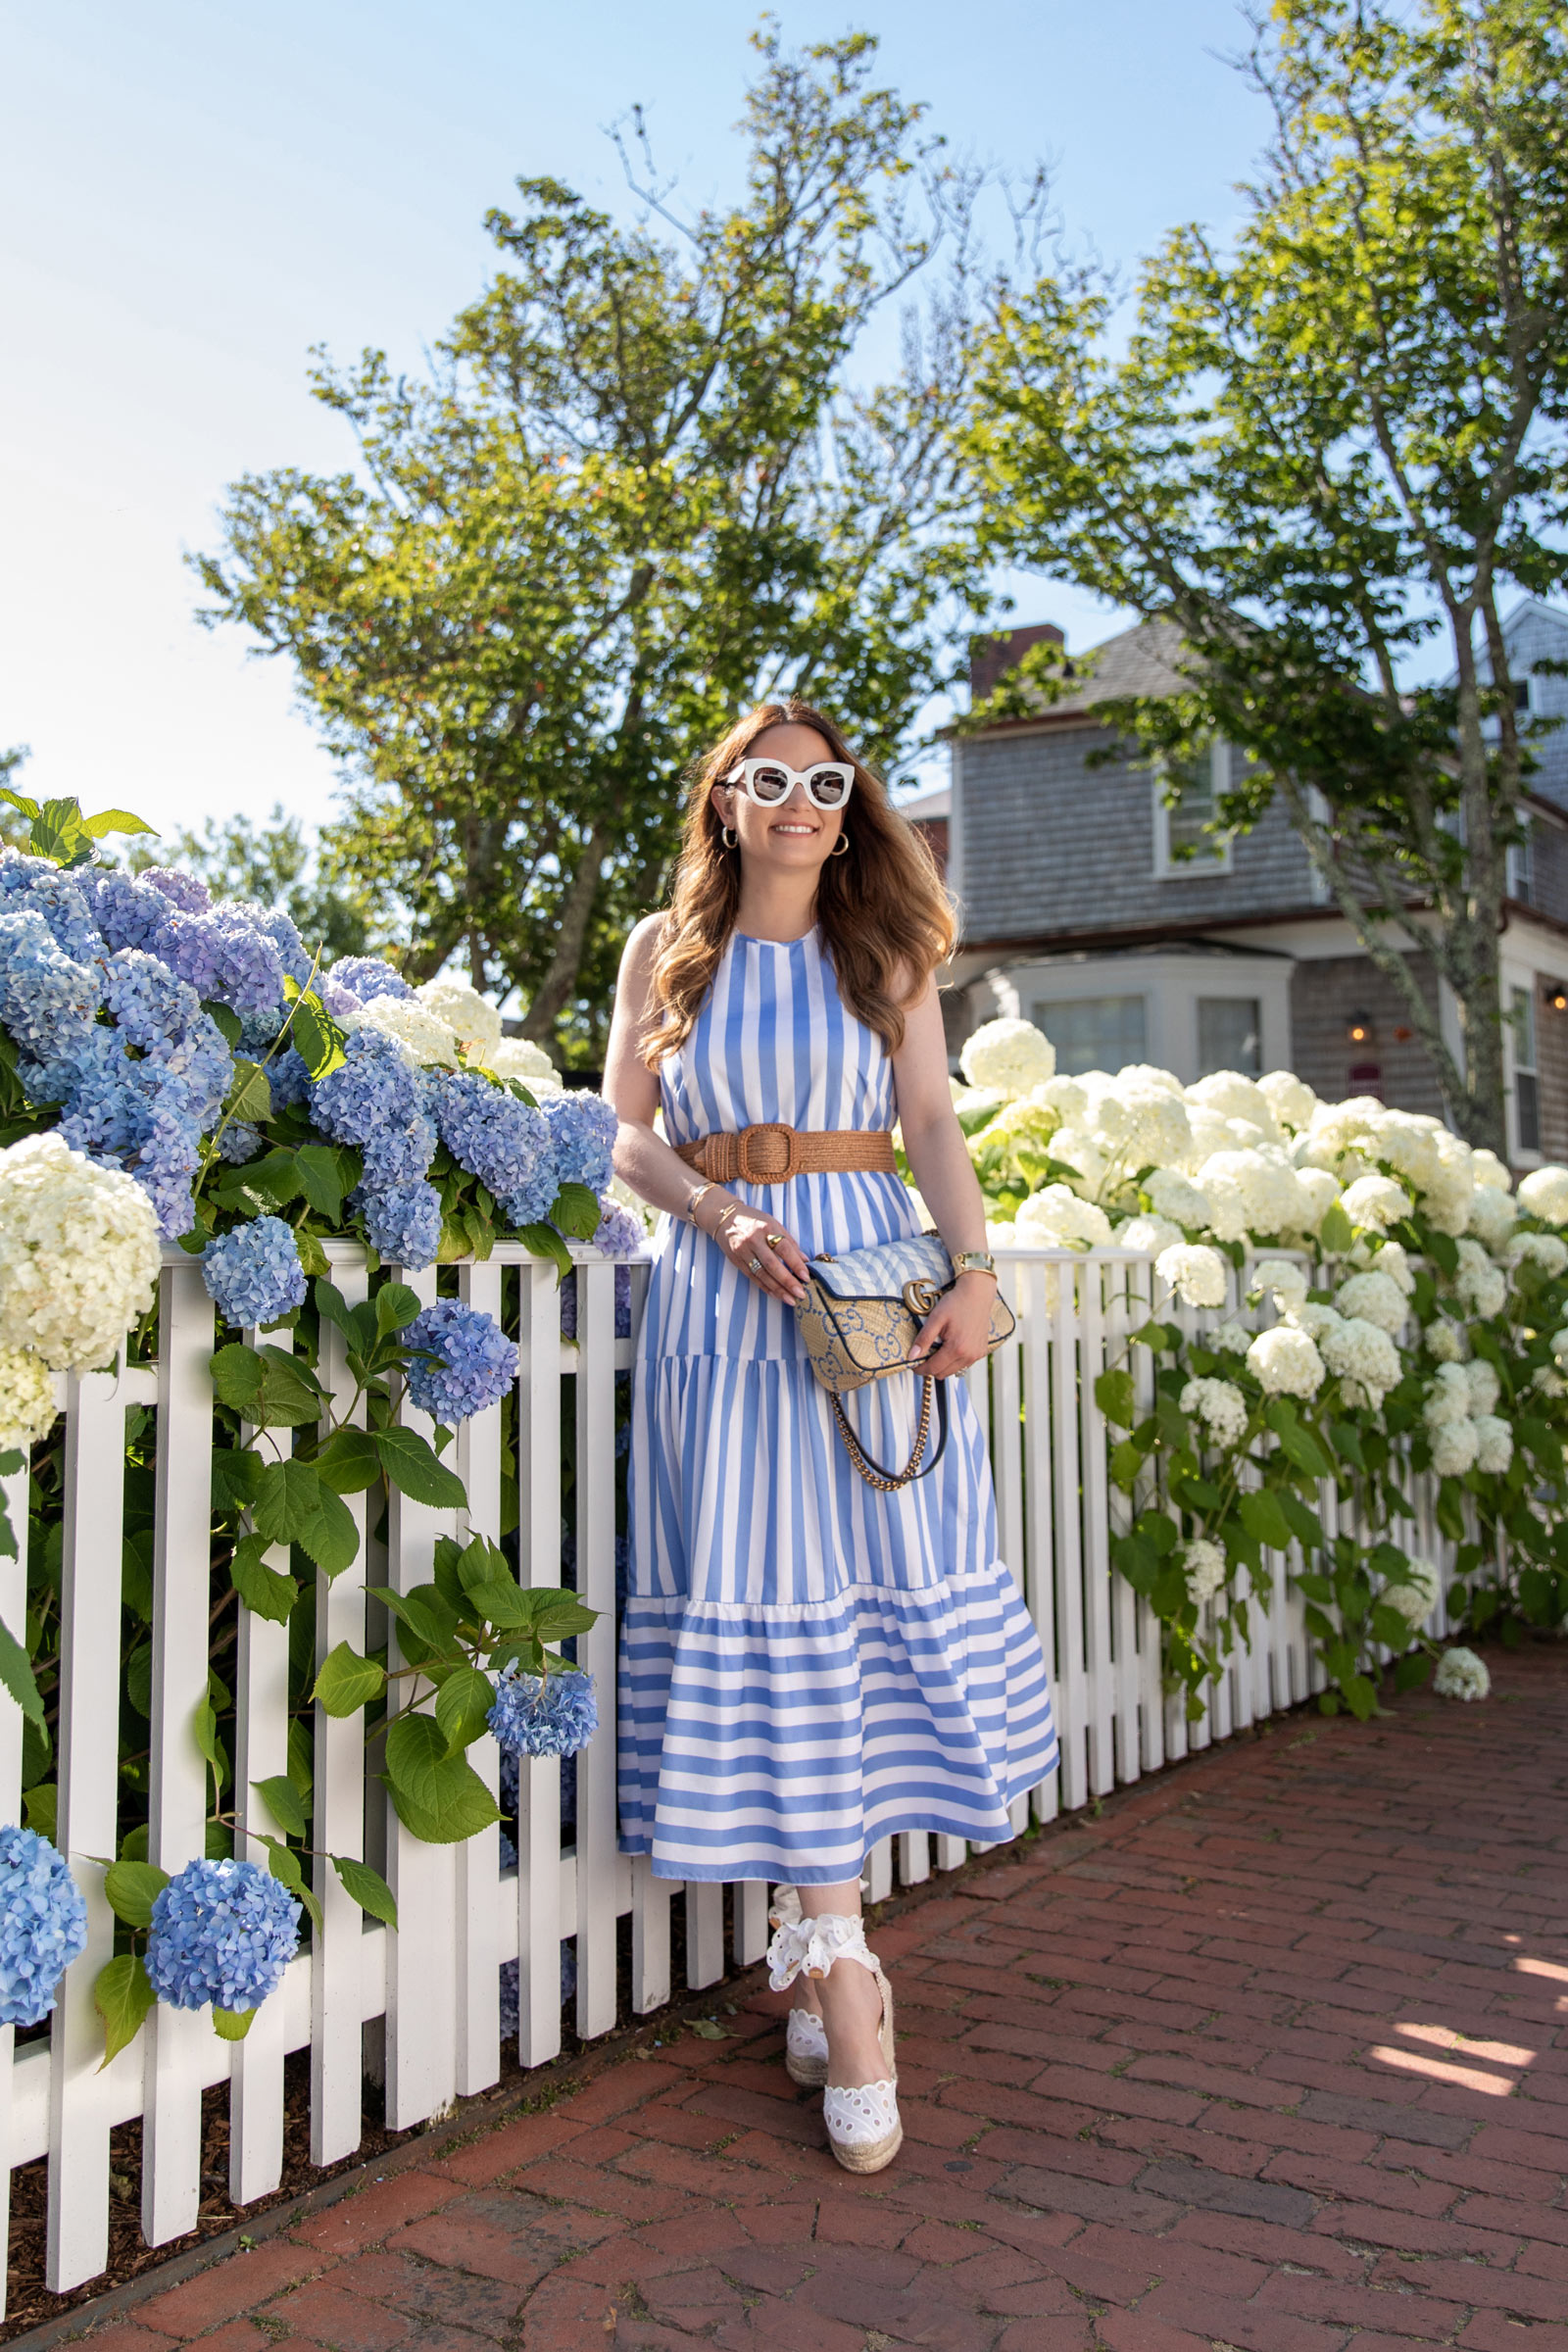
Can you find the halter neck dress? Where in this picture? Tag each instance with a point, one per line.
(807, 1665)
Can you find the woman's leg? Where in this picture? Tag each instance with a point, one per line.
(847, 1999)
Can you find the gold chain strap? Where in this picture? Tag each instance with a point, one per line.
(874, 1478)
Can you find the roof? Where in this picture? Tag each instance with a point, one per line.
(928, 805)
(1142, 660)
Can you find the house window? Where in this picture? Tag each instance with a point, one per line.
(1519, 868)
(1526, 1085)
(1230, 1035)
(1182, 846)
(1521, 696)
(1094, 1033)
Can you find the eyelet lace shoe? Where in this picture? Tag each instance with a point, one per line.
(804, 2033)
(864, 2130)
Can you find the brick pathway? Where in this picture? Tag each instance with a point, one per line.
(1272, 2055)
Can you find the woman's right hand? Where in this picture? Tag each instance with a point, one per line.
(742, 1232)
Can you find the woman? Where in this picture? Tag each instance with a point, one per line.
(808, 1664)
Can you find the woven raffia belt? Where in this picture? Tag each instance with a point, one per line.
(769, 1152)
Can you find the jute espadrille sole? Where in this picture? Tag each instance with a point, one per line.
(809, 2073)
(869, 2156)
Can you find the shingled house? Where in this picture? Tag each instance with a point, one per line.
(1079, 911)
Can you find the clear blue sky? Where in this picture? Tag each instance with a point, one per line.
(196, 192)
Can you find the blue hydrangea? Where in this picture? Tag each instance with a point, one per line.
(290, 1079)
(371, 1092)
(43, 1925)
(400, 1154)
(252, 1272)
(130, 914)
(47, 999)
(402, 1222)
(63, 903)
(186, 891)
(568, 1304)
(495, 1137)
(549, 1715)
(149, 1003)
(619, 1232)
(367, 977)
(509, 1853)
(467, 1363)
(281, 929)
(533, 1200)
(239, 1142)
(222, 1931)
(583, 1129)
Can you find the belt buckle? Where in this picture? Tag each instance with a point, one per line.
(744, 1168)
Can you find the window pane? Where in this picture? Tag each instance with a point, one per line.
(1094, 1033)
(1229, 1035)
(1527, 1104)
(1193, 809)
(1522, 1012)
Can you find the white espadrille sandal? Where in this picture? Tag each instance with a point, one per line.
(864, 2130)
(804, 2033)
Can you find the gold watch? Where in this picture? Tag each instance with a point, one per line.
(973, 1261)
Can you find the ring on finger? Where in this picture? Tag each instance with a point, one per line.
(772, 1240)
(755, 1266)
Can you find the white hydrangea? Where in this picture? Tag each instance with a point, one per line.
(519, 1060)
(1544, 1194)
(1009, 1057)
(1204, 1565)
(1285, 1362)
(1150, 1233)
(1063, 1095)
(1374, 1295)
(1492, 1217)
(1357, 1350)
(1444, 1344)
(1558, 1344)
(1448, 1397)
(1289, 1098)
(1220, 1406)
(1478, 1284)
(1210, 1134)
(1338, 1128)
(1236, 1097)
(28, 1405)
(1175, 1195)
(1547, 1250)
(1255, 1192)
(1314, 1319)
(471, 1018)
(1376, 1201)
(1284, 1277)
(426, 1041)
(1484, 1386)
(1447, 1200)
(1229, 1339)
(1494, 1443)
(1001, 1234)
(1139, 1125)
(1409, 1147)
(1079, 1151)
(1551, 1383)
(1319, 1191)
(1461, 1674)
(1146, 1073)
(78, 1255)
(1455, 1447)
(1393, 1260)
(1056, 1219)
(1194, 1272)
(1416, 1600)
(1488, 1171)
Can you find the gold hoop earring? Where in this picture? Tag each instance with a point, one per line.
(730, 836)
(841, 848)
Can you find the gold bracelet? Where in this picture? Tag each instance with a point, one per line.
(692, 1200)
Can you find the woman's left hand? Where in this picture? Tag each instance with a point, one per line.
(957, 1328)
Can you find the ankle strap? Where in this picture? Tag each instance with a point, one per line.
(815, 1944)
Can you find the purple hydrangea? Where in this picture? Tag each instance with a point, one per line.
(372, 1092)
(184, 891)
(281, 929)
(222, 1931)
(495, 1137)
(582, 1128)
(402, 1221)
(43, 1925)
(367, 977)
(63, 903)
(619, 1232)
(467, 1362)
(549, 1715)
(253, 1273)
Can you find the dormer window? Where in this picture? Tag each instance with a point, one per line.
(1187, 799)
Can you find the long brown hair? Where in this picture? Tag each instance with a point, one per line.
(881, 905)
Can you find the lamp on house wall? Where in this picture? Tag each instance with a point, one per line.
(1556, 996)
(1358, 1029)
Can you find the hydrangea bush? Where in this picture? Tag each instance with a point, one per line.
(178, 1071)
(1417, 1321)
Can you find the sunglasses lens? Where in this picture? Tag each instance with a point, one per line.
(770, 783)
(829, 787)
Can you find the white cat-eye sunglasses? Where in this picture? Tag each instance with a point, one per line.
(770, 782)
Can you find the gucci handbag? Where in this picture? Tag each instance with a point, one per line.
(860, 1319)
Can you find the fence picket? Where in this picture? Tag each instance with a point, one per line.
(14, 1617)
(539, 1555)
(596, 1650)
(476, 2024)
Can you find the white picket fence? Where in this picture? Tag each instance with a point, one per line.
(420, 2008)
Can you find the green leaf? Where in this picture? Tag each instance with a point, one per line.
(314, 1034)
(504, 1603)
(204, 1726)
(1263, 1517)
(335, 1308)
(348, 1462)
(231, 1028)
(367, 1888)
(287, 1502)
(462, 1806)
(320, 1180)
(1359, 1697)
(17, 1676)
(462, 1704)
(1298, 1444)
(396, 1308)
(575, 1212)
(415, 1470)
(285, 1868)
(266, 1591)
(250, 1098)
(115, 820)
(231, 2024)
(1305, 1525)
(266, 1386)
(347, 1681)
(416, 1749)
(1114, 1396)
(59, 833)
(132, 1888)
(281, 1799)
(331, 1537)
(544, 1242)
(1346, 1440)
(43, 1809)
(558, 1613)
(19, 801)
(428, 1625)
(1336, 1233)
(121, 1994)
(1411, 1670)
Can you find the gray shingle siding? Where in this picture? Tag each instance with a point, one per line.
(1536, 633)
(1051, 845)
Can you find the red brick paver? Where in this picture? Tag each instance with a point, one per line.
(1273, 2055)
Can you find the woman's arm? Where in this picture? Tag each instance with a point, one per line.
(938, 1159)
(653, 1167)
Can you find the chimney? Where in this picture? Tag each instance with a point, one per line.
(990, 656)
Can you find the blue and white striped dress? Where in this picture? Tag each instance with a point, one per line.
(806, 1664)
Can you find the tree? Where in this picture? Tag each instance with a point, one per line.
(1331, 453)
(635, 494)
(276, 865)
